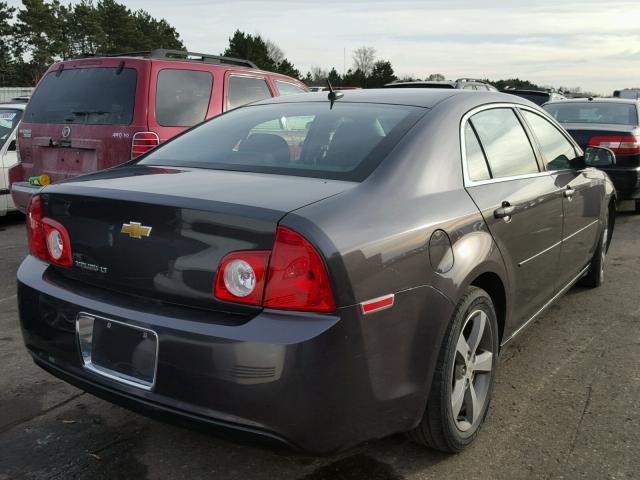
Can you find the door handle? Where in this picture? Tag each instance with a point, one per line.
(505, 211)
(569, 192)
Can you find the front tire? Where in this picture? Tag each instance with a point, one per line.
(595, 275)
(464, 376)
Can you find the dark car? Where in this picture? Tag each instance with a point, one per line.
(316, 270)
(461, 83)
(607, 122)
(96, 112)
(539, 97)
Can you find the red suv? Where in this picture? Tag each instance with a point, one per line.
(92, 113)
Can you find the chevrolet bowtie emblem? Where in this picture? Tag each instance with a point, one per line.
(135, 230)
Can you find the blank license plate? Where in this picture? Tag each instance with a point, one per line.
(117, 350)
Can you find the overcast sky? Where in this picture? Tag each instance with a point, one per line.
(591, 44)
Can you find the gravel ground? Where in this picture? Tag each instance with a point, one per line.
(566, 405)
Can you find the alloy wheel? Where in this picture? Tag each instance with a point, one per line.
(472, 370)
(603, 253)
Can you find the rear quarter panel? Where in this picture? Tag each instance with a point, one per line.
(375, 238)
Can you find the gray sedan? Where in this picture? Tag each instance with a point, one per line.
(319, 269)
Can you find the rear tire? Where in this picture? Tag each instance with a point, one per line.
(595, 275)
(464, 376)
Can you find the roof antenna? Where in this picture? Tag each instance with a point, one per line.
(333, 95)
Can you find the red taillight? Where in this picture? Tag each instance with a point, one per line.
(617, 143)
(298, 278)
(241, 277)
(35, 228)
(143, 142)
(48, 239)
(58, 243)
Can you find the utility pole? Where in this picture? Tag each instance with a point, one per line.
(344, 62)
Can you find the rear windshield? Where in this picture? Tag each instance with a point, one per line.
(93, 96)
(9, 118)
(537, 98)
(308, 139)
(594, 112)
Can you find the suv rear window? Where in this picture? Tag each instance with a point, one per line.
(93, 96)
(182, 97)
(308, 139)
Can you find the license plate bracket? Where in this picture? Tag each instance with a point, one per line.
(117, 350)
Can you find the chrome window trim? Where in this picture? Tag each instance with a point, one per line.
(512, 106)
(110, 374)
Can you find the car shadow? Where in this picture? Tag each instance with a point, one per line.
(11, 219)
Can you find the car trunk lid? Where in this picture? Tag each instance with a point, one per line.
(161, 233)
(611, 135)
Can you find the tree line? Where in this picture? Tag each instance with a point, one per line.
(37, 34)
(41, 32)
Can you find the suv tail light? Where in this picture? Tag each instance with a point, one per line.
(294, 278)
(48, 239)
(617, 143)
(143, 142)
(35, 228)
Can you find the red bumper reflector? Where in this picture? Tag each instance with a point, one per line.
(377, 304)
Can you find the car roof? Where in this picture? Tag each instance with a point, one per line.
(525, 90)
(14, 106)
(596, 100)
(423, 82)
(90, 61)
(419, 97)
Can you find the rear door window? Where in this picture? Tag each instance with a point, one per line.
(477, 168)
(505, 143)
(243, 90)
(557, 151)
(182, 97)
(91, 96)
(286, 88)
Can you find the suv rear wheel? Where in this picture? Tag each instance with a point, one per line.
(464, 376)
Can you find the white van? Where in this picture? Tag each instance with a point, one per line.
(10, 115)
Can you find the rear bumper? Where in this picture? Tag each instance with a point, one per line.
(626, 180)
(21, 192)
(318, 382)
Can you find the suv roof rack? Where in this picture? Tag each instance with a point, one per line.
(176, 55)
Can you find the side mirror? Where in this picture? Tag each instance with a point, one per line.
(599, 157)
(12, 146)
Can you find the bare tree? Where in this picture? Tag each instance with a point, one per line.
(436, 76)
(318, 74)
(275, 52)
(363, 59)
